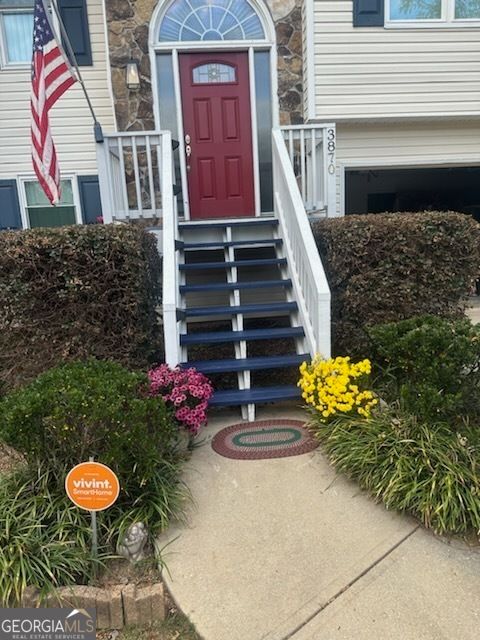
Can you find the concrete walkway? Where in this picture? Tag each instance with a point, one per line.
(473, 309)
(286, 548)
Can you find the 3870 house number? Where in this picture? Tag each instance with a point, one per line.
(331, 146)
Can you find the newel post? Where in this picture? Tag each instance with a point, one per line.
(170, 258)
(102, 149)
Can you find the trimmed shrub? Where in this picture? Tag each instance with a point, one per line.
(94, 408)
(387, 267)
(100, 409)
(424, 470)
(432, 364)
(74, 292)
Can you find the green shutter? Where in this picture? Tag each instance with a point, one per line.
(75, 19)
(10, 217)
(90, 198)
(368, 13)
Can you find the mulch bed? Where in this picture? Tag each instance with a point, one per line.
(9, 459)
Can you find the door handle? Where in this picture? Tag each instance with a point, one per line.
(188, 150)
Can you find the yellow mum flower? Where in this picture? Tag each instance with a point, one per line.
(336, 386)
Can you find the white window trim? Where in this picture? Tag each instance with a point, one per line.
(4, 63)
(13, 66)
(447, 21)
(22, 196)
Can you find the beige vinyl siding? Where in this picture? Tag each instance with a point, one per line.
(71, 122)
(406, 145)
(381, 72)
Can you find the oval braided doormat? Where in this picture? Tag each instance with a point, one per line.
(264, 439)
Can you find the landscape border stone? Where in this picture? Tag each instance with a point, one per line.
(116, 606)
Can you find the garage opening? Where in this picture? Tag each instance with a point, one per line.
(432, 189)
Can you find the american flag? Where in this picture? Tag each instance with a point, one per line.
(52, 75)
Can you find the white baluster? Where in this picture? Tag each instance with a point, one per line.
(138, 191)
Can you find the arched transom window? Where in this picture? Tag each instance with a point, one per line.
(194, 20)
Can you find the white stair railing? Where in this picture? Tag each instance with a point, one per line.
(136, 179)
(312, 152)
(310, 285)
(129, 172)
(170, 295)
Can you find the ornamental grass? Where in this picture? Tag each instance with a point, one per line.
(422, 469)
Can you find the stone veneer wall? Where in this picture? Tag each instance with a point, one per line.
(288, 28)
(128, 24)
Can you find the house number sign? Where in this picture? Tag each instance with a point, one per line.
(331, 147)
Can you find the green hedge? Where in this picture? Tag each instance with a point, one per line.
(386, 267)
(76, 292)
(432, 366)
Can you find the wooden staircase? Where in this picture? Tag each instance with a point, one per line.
(243, 300)
(236, 301)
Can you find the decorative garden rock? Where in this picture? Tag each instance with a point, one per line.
(133, 544)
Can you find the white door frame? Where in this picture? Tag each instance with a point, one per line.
(249, 46)
(415, 163)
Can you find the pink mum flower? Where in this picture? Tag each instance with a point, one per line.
(187, 391)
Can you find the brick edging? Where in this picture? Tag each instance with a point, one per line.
(116, 606)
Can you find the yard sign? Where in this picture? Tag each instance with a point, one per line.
(92, 486)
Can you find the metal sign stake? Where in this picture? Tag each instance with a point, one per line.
(93, 518)
(92, 486)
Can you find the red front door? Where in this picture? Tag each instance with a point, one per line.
(218, 134)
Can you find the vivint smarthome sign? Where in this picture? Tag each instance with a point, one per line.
(92, 486)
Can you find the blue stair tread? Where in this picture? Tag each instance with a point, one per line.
(254, 396)
(248, 364)
(232, 243)
(195, 312)
(230, 286)
(209, 337)
(195, 266)
(272, 222)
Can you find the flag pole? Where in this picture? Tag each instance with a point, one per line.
(97, 127)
